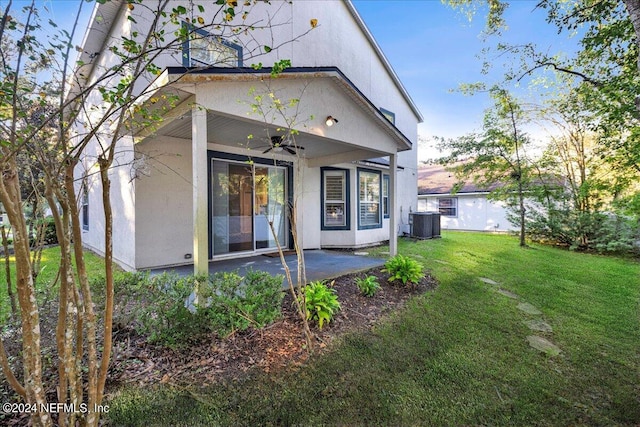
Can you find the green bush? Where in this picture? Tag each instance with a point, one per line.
(50, 236)
(368, 285)
(404, 269)
(236, 303)
(162, 312)
(161, 307)
(321, 302)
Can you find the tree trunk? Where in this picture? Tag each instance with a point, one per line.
(105, 163)
(7, 270)
(633, 8)
(523, 242)
(11, 200)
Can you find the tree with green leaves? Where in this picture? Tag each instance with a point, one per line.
(497, 155)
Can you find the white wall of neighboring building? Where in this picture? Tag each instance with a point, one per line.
(475, 213)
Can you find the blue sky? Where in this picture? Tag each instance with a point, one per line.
(434, 49)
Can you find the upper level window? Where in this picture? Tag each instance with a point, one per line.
(204, 49)
(335, 199)
(448, 206)
(369, 187)
(389, 115)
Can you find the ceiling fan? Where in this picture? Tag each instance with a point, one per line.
(278, 144)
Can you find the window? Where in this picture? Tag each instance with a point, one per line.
(389, 115)
(369, 199)
(448, 206)
(335, 199)
(385, 195)
(85, 205)
(203, 49)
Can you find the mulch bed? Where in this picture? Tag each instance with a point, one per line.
(281, 344)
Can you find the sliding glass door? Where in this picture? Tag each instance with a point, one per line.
(245, 200)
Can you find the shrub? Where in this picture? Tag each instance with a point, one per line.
(162, 312)
(156, 307)
(368, 285)
(236, 303)
(50, 236)
(321, 302)
(403, 268)
(161, 307)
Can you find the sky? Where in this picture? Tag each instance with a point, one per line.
(434, 49)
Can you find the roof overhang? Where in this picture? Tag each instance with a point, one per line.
(219, 90)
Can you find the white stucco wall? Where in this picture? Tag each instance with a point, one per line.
(122, 203)
(475, 213)
(164, 220)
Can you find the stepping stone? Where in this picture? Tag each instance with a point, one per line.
(508, 294)
(361, 253)
(538, 325)
(529, 309)
(487, 281)
(543, 345)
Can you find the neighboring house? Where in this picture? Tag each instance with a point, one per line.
(467, 209)
(185, 191)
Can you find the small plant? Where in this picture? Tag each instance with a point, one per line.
(368, 285)
(403, 268)
(321, 302)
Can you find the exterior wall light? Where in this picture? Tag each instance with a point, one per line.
(330, 121)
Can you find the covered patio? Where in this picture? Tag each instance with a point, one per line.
(319, 264)
(207, 122)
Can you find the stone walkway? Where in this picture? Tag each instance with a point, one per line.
(534, 321)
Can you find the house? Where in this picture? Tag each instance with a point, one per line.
(206, 182)
(468, 208)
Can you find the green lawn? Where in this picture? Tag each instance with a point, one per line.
(455, 356)
(47, 275)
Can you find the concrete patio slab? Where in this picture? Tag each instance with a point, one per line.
(320, 264)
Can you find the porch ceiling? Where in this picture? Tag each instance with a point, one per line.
(362, 132)
(232, 132)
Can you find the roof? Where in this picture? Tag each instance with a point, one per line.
(436, 179)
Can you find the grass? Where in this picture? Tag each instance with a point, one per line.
(454, 356)
(47, 276)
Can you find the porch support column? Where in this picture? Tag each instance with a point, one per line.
(393, 202)
(200, 196)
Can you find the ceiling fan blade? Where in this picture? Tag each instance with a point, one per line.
(267, 150)
(290, 151)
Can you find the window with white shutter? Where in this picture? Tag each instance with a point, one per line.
(335, 199)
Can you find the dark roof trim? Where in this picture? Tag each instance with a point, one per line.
(179, 71)
(378, 161)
